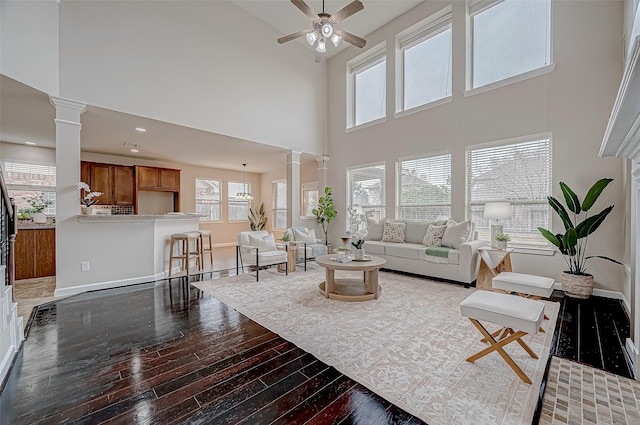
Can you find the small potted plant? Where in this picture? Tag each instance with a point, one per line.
(38, 204)
(501, 240)
(359, 249)
(89, 198)
(286, 237)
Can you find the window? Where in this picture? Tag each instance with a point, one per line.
(366, 87)
(309, 198)
(25, 180)
(238, 208)
(280, 204)
(425, 188)
(425, 60)
(366, 190)
(517, 171)
(509, 38)
(208, 197)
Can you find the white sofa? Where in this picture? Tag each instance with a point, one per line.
(460, 265)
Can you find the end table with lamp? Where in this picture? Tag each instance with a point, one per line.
(496, 211)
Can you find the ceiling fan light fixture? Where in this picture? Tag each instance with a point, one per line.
(336, 39)
(321, 46)
(311, 38)
(327, 30)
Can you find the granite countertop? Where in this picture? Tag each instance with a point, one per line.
(26, 224)
(135, 217)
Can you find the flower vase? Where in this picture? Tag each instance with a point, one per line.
(360, 254)
(39, 218)
(86, 210)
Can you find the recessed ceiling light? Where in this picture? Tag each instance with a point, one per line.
(30, 143)
(140, 129)
(135, 150)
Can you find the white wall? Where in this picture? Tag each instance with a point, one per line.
(207, 65)
(29, 43)
(573, 102)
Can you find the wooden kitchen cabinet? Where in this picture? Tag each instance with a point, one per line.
(35, 253)
(161, 179)
(116, 182)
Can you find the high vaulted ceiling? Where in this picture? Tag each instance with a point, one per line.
(26, 115)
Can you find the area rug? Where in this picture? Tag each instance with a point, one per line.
(409, 346)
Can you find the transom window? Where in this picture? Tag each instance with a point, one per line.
(518, 172)
(366, 190)
(425, 188)
(280, 204)
(27, 180)
(425, 61)
(366, 87)
(238, 208)
(208, 197)
(509, 37)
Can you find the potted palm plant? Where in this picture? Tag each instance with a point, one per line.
(572, 244)
(325, 213)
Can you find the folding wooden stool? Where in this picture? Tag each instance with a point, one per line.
(519, 316)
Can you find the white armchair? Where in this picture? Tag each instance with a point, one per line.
(259, 249)
(305, 243)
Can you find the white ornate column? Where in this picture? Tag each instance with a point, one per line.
(293, 188)
(68, 128)
(633, 346)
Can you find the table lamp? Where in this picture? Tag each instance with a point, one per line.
(496, 211)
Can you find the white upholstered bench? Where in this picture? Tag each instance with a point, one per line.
(525, 285)
(519, 316)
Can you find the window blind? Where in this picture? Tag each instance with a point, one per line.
(430, 26)
(279, 189)
(425, 188)
(208, 197)
(477, 6)
(519, 173)
(23, 174)
(366, 189)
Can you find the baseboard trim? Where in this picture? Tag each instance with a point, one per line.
(224, 244)
(72, 290)
(604, 293)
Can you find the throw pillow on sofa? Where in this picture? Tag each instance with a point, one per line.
(268, 243)
(434, 235)
(393, 232)
(456, 233)
(308, 238)
(374, 229)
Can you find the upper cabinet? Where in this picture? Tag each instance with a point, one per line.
(160, 179)
(116, 182)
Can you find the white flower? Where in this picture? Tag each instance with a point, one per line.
(83, 186)
(92, 195)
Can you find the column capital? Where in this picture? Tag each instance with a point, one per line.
(323, 158)
(67, 103)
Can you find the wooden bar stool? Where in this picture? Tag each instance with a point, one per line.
(206, 248)
(188, 244)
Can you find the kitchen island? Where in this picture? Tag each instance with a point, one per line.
(117, 250)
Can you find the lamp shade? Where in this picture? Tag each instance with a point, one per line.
(497, 210)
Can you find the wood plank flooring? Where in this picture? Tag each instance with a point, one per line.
(166, 353)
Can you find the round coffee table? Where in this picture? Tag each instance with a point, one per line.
(351, 289)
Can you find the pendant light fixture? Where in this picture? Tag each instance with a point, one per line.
(244, 195)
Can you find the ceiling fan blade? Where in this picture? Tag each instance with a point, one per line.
(348, 10)
(319, 57)
(350, 38)
(293, 36)
(304, 7)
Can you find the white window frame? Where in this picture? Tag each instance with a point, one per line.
(213, 202)
(536, 241)
(48, 191)
(304, 189)
(412, 36)
(274, 209)
(231, 198)
(370, 58)
(444, 156)
(475, 7)
(362, 209)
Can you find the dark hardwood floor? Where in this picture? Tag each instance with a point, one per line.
(165, 353)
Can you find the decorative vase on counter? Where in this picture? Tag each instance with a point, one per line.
(39, 218)
(86, 210)
(360, 254)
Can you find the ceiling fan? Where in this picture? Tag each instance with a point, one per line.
(323, 27)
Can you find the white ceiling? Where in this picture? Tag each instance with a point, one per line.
(26, 114)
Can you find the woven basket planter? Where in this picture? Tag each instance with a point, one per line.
(577, 286)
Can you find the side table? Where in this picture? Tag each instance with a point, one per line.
(493, 261)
